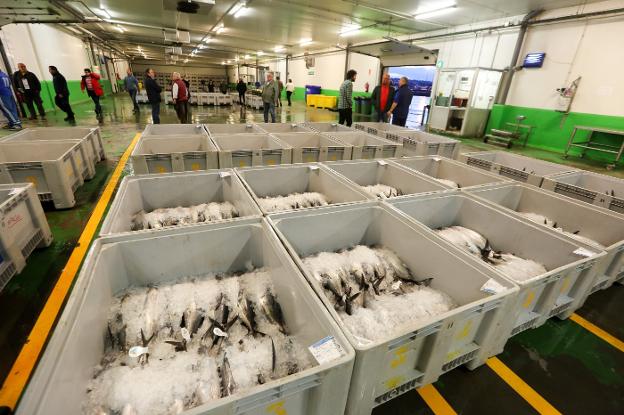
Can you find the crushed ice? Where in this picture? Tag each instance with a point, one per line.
(382, 191)
(164, 217)
(292, 201)
(536, 217)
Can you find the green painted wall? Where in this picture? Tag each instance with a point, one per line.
(75, 94)
(552, 129)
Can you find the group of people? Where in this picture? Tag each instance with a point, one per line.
(271, 94)
(390, 103)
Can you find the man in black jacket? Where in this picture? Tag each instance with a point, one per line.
(28, 85)
(382, 97)
(61, 97)
(153, 94)
(241, 87)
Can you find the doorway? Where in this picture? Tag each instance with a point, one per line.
(420, 82)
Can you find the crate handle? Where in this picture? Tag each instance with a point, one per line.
(424, 332)
(382, 162)
(283, 391)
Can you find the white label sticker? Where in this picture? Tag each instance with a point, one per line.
(313, 168)
(185, 334)
(382, 162)
(137, 351)
(492, 287)
(584, 252)
(326, 350)
(224, 174)
(218, 332)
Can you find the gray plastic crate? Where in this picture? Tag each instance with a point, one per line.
(158, 130)
(312, 147)
(380, 128)
(244, 150)
(24, 228)
(275, 128)
(284, 180)
(225, 129)
(419, 352)
(328, 127)
(52, 166)
(447, 169)
(594, 188)
(59, 384)
(154, 191)
(167, 154)
(601, 225)
(366, 146)
(557, 292)
(420, 143)
(372, 172)
(520, 168)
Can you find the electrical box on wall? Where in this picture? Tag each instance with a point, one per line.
(534, 60)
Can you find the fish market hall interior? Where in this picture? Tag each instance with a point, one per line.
(292, 207)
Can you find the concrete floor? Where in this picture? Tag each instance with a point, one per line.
(575, 371)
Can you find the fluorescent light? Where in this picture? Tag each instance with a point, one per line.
(349, 30)
(279, 48)
(260, 53)
(424, 15)
(229, 61)
(208, 40)
(220, 28)
(237, 7)
(223, 63)
(103, 13)
(120, 28)
(241, 11)
(202, 46)
(247, 57)
(305, 41)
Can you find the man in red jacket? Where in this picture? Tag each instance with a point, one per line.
(180, 95)
(91, 82)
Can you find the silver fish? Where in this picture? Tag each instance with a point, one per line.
(247, 314)
(228, 386)
(117, 333)
(221, 323)
(273, 310)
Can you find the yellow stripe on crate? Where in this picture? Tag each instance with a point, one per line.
(25, 362)
(529, 394)
(435, 401)
(612, 340)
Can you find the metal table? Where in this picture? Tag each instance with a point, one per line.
(592, 145)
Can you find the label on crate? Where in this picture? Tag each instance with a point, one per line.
(584, 252)
(492, 287)
(326, 350)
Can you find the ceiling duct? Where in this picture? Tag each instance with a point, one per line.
(174, 50)
(179, 36)
(201, 7)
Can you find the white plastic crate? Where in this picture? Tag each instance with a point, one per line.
(520, 168)
(598, 224)
(244, 150)
(597, 189)
(254, 101)
(284, 180)
(59, 384)
(166, 154)
(223, 129)
(366, 146)
(24, 228)
(52, 166)
(420, 143)
(282, 128)
(372, 172)
(328, 127)
(165, 130)
(464, 176)
(142, 97)
(419, 352)
(312, 147)
(379, 128)
(571, 266)
(224, 99)
(154, 191)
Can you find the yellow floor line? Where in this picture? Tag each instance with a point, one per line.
(435, 401)
(533, 398)
(613, 341)
(25, 362)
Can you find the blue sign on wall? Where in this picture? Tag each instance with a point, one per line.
(534, 60)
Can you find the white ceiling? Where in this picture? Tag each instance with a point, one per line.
(265, 24)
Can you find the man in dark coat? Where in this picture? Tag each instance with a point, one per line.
(382, 97)
(61, 97)
(153, 91)
(29, 87)
(241, 88)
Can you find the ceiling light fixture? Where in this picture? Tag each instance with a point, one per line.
(247, 57)
(305, 41)
(279, 48)
(120, 28)
(220, 28)
(428, 14)
(350, 29)
(237, 7)
(103, 13)
(208, 40)
(202, 46)
(260, 53)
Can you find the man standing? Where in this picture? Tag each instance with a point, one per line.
(132, 86)
(153, 94)
(91, 83)
(402, 101)
(241, 87)
(382, 97)
(188, 100)
(270, 93)
(290, 88)
(61, 97)
(7, 103)
(28, 85)
(179, 93)
(345, 101)
(280, 88)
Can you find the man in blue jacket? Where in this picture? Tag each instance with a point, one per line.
(153, 94)
(7, 103)
(402, 101)
(132, 86)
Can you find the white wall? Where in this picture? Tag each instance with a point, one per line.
(168, 69)
(367, 68)
(328, 71)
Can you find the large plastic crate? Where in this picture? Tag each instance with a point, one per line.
(419, 352)
(224, 99)
(24, 228)
(328, 127)
(284, 180)
(601, 225)
(372, 172)
(281, 128)
(594, 188)
(572, 266)
(380, 128)
(154, 191)
(244, 150)
(312, 147)
(115, 263)
(520, 168)
(366, 146)
(164, 130)
(447, 169)
(52, 166)
(166, 154)
(224, 129)
(420, 143)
